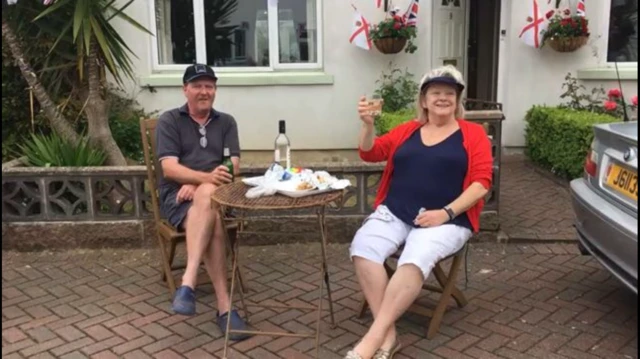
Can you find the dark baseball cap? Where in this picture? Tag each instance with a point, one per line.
(446, 80)
(197, 71)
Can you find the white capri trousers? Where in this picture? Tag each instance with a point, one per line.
(382, 234)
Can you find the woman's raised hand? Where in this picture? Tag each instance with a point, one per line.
(364, 111)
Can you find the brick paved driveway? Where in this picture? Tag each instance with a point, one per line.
(532, 206)
(533, 301)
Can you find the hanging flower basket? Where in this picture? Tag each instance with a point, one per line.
(394, 34)
(566, 32)
(568, 44)
(390, 45)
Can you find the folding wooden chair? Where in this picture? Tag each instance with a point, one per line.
(447, 289)
(168, 235)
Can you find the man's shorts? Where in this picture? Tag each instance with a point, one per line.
(383, 233)
(170, 209)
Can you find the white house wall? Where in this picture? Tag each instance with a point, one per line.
(324, 116)
(318, 116)
(530, 76)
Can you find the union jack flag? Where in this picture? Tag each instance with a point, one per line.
(411, 16)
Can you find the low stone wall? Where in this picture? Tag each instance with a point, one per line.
(110, 206)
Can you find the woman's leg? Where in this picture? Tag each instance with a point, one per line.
(379, 237)
(423, 249)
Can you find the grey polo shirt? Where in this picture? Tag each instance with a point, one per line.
(178, 136)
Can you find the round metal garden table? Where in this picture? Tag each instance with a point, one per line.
(232, 196)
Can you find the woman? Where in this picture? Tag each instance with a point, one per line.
(438, 171)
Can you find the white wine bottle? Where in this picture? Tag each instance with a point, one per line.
(282, 146)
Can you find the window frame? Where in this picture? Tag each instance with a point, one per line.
(607, 21)
(200, 41)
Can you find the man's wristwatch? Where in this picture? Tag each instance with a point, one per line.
(450, 212)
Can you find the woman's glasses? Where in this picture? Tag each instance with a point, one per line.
(203, 139)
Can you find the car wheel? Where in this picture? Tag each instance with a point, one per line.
(583, 250)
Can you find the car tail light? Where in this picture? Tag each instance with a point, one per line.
(591, 162)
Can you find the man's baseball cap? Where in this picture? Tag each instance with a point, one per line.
(197, 71)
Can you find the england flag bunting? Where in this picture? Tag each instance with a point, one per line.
(360, 33)
(13, 2)
(581, 9)
(411, 17)
(537, 23)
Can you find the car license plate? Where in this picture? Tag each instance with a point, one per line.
(623, 181)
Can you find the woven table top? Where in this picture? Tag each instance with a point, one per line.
(233, 195)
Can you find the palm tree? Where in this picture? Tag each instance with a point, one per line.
(84, 46)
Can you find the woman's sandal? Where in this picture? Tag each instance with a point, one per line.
(352, 355)
(383, 354)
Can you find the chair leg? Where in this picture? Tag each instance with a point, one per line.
(364, 306)
(172, 255)
(441, 277)
(166, 265)
(434, 324)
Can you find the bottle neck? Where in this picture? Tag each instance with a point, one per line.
(282, 128)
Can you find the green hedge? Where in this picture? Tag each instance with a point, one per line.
(558, 139)
(388, 120)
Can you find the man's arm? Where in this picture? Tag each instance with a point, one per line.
(174, 171)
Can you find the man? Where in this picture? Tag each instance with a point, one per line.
(190, 142)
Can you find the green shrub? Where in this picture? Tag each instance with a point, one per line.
(398, 89)
(388, 120)
(16, 113)
(558, 138)
(124, 120)
(53, 151)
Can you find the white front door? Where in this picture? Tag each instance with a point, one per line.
(449, 33)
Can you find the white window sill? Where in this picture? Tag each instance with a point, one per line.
(609, 73)
(245, 79)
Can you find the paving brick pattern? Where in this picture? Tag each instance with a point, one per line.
(532, 206)
(525, 301)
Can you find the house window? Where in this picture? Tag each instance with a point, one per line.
(237, 35)
(623, 31)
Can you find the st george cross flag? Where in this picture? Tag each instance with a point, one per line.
(360, 33)
(411, 17)
(581, 9)
(537, 23)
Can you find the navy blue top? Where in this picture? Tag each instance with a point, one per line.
(427, 177)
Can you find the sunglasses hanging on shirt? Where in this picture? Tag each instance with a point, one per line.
(203, 139)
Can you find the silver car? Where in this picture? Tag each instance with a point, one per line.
(605, 201)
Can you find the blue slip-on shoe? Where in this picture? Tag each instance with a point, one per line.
(236, 324)
(184, 301)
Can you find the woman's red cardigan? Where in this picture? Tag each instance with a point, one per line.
(475, 142)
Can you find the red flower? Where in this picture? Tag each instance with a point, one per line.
(567, 12)
(397, 26)
(615, 93)
(565, 22)
(634, 100)
(610, 105)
